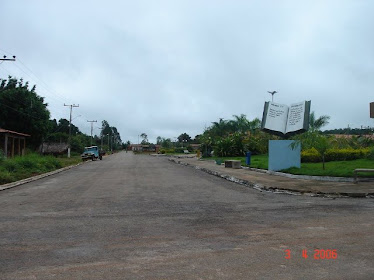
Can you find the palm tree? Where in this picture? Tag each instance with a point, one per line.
(220, 128)
(317, 124)
(241, 123)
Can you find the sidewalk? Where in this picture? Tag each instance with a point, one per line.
(276, 183)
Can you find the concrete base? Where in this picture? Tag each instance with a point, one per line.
(236, 164)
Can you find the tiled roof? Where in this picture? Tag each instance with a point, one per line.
(13, 132)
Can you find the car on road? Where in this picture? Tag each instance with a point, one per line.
(92, 153)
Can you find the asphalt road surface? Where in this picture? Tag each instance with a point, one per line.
(141, 217)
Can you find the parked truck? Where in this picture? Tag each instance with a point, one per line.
(92, 153)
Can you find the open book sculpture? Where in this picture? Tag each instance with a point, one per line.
(283, 120)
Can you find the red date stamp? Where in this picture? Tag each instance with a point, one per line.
(318, 254)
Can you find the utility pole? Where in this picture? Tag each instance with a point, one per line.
(91, 129)
(101, 136)
(8, 59)
(71, 110)
(108, 143)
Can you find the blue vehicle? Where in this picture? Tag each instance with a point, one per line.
(92, 153)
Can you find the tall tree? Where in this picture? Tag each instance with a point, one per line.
(145, 139)
(184, 137)
(23, 110)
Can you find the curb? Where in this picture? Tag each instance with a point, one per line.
(261, 187)
(37, 177)
(305, 177)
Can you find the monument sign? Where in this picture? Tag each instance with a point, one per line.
(283, 120)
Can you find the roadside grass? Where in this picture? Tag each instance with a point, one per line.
(332, 168)
(18, 168)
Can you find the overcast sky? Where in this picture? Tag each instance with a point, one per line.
(168, 67)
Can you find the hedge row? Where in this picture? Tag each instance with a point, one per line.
(312, 155)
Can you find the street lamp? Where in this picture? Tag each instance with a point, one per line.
(272, 94)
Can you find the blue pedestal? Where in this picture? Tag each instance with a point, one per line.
(282, 156)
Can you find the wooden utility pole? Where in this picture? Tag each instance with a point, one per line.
(71, 109)
(91, 129)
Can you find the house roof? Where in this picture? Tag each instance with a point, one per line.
(14, 132)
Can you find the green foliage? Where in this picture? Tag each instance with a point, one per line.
(22, 167)
(111, 133)
(229, 146)
(190, 149)
(184, 138)
(80, 141)
(257, 142)
(351, 131)
(371, 154)
(166, 143)
(6, 177)
(145, 139)
(333, 168)
(22, 110)
(227, 137)
(167, 151)
(2, 157)
(346, 154)
(179, 150)
(312, 155)
(315, 124)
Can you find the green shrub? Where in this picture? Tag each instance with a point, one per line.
(230, 146)
(371, 154)
(310, 155)
(179, 150)
(6, 177)
(335, 154)
(346, 154)
(167, 151)
(2, 157)
(10, 165)
(27, 162)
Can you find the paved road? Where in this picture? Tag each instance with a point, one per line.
(140, 217)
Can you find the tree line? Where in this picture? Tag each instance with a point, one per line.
(23, 110)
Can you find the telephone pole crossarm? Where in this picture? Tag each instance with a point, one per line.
(8, 59)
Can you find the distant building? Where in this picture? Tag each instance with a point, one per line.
(144, 148)
(195, 147)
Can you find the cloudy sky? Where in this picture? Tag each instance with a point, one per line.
(168, 67)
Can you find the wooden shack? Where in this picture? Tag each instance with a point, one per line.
(12, 143)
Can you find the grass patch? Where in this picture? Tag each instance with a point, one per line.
(18, 168)
(332, 168)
